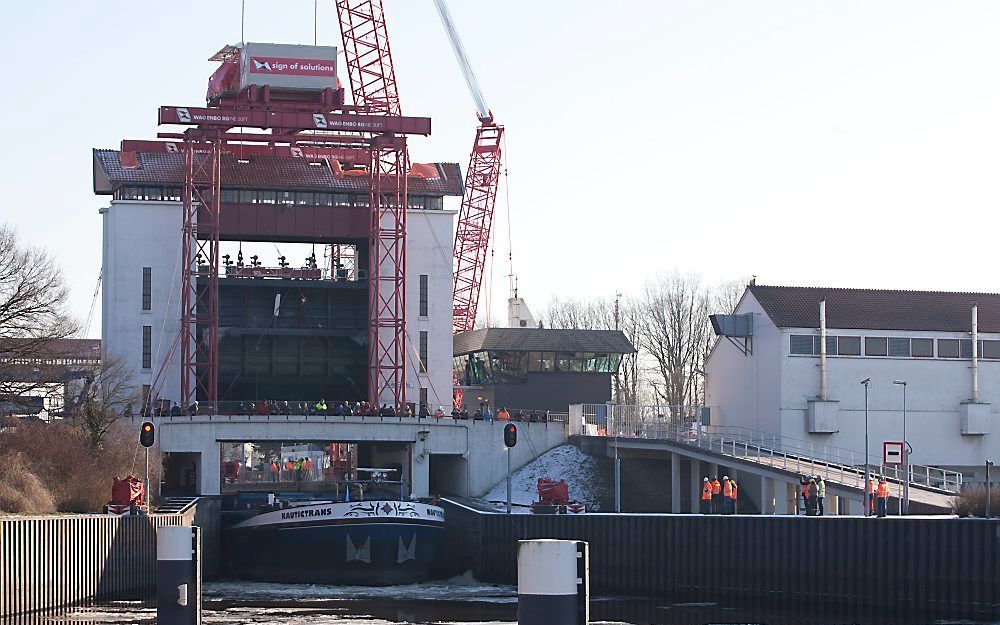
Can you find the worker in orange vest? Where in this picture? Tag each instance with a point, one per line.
(307, 468)
(872, 487)
(716, 496)
(806, 494)
(882, 497)
(275, 470)
(735, 498)
(503, 415)
(706, 497)
(727, 495)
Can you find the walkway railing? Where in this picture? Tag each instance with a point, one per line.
(682, 424)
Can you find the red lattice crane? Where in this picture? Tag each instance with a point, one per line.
(373, 84)
(475, 218)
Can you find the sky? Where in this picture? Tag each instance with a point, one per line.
(845, 143)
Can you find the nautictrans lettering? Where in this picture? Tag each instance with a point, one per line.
(303, 514)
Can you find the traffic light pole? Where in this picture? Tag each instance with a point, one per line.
(145, 488)
(508, 480)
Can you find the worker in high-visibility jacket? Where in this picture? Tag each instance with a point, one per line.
(882, 497)
(706, 497)
(872, 487)
(716, 496)
(734, 498)
(727, 495)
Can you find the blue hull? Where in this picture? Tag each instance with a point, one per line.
(368, 552)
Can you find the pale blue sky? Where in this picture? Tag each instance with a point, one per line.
(843, 143)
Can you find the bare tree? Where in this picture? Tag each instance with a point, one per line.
(33, 310)
(673, 329)
(108, 393)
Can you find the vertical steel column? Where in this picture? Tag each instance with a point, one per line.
(200, 259)
(387, 272)
(475, 221)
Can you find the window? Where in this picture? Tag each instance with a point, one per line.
(304, 197)
(415, 202)
(535, 361)
(147, 347)
(230, 196)
(876, 346)
(286, 197)
(361, 200)
(423, 295)
(947, 348)
(324, 199)
(248, 196)
(548, 361)
(922, 348)
(434, 203)
(341, 199)
(990, 349)
(849, 345)
(145, 399)
(423, 351)
(965, 346)
(423, 396)
(266, 197)
(172, 193)
(147, 288)
(899, 347)
(154, 193)
(801, 344)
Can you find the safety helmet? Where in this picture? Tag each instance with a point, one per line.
(725, 477)
(706, 479)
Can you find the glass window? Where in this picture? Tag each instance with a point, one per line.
(899, 347)
(548, 361)
(849, 345)
(535, 361)
(423, 351)
(147, 347)
(324, 199)
(991, 349)
(966, 348)
(147, 288)
(423, 295)
(613, 361)
(248, 196)
(562, 361)
(415, 202)
(267, 197)
(577, 363)
(229, 195)
(341, 199)
(947, 348)
(286, 197)
(434, 203)
(154, 193)
(922, 348)
(361, 200)
(304, 197)
(801, 344)
(876, 346)
(172, 193)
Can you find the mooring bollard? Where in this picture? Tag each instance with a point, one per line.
(553, 582)
(178, 575)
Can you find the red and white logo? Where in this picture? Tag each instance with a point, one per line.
(319, 120)
(183, 116)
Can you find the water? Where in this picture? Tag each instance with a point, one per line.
(460, 600)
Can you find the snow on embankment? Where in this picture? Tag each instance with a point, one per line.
(565, 462)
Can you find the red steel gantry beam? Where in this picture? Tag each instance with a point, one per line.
(475, 221)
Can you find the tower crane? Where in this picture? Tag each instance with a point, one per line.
(475, 218)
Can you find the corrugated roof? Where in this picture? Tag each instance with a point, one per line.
(542, 340)
(261, 172)
(875, 309)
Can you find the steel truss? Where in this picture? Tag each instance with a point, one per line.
(475, 221)
(199, 336)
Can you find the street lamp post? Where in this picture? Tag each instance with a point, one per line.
(905, 503)
(864, 487)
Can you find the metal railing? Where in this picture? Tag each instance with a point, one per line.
(681, 424)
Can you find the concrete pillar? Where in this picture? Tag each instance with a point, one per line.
(209, 469)
(675, 483)
(713, 471)
(785, 498)
(695, 466)
(832, 505)
(766, 495)
(420, 475)
(855, 507)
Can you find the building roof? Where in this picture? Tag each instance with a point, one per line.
(542, 340)
(55, 348)
(261, 172)
(876, 309)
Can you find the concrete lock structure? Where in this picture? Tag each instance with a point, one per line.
(553, 582)
(178, 575)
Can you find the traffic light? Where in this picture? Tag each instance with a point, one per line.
(146, 434)
(510, 435)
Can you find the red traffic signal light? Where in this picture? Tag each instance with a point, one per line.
(147, 433)
(510, 435)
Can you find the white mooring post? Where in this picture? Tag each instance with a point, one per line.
(553, 582)
(178, 575)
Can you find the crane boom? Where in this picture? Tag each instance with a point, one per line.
(463, 61)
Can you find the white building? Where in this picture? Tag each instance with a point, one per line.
(772, 382)
(271, 204)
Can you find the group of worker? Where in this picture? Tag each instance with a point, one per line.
(719, 497)
(813, 494)
(300, 469)
(878, 496)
